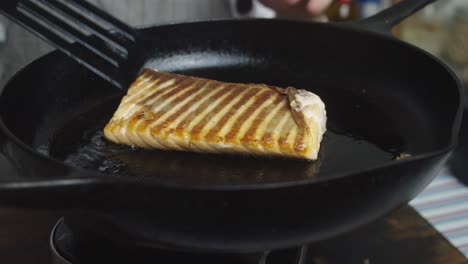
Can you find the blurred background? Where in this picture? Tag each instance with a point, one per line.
(441, 28)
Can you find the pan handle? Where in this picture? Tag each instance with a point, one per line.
(384, 21)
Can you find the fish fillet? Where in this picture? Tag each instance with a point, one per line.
(177, 112)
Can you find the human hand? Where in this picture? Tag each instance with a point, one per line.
(298, 8)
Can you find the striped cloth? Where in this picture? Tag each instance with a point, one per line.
(444, 203)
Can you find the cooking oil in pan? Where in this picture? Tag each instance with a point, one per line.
(355, 140)
(340, 152)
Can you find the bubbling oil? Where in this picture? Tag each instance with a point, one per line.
(339, 152)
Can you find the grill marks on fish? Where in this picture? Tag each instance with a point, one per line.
(232, 112)
(212, 117)
(200, 110)
(180, 106)
(170, 111)
(266, 115)
(285, 128)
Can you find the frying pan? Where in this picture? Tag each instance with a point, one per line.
(384, 98)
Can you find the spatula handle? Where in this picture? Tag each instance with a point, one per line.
(92, 37)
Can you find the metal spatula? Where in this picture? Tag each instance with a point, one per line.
(89, 35)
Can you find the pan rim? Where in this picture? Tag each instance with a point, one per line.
(93, 177)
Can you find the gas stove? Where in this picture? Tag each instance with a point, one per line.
(67, 250)
(402, 237)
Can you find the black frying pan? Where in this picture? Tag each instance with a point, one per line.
(383, 97)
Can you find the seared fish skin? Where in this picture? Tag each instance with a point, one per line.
(177, 112)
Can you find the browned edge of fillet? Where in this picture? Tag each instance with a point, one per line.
(300, 119)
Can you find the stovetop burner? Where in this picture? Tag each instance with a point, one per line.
(402, 237)
(67, 250)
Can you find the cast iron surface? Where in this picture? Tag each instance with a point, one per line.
(383, 97)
